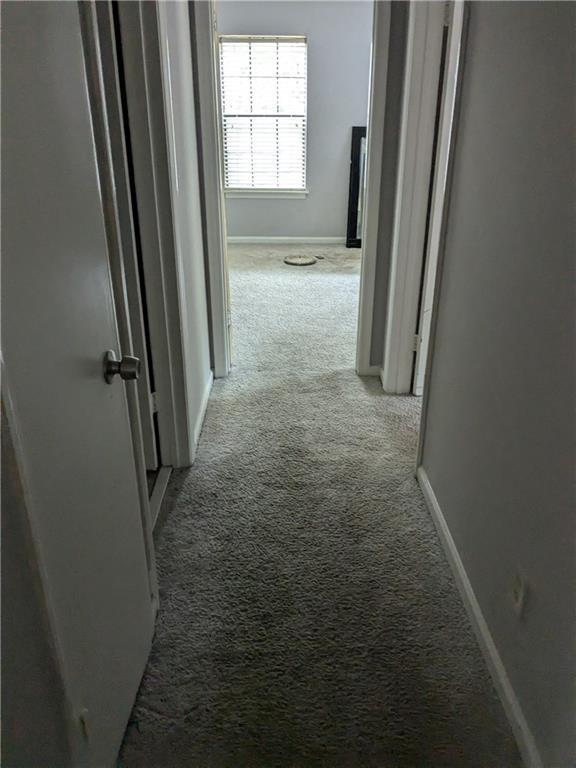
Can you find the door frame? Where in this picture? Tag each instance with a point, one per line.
(371, 221)
(423, 61)
(431, 257)
(422, 72)
(426, 23)
(204, 42)
(209, 140)
(142, 62)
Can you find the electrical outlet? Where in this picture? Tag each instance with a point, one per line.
(519, 592)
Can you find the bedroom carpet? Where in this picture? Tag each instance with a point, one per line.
(308, 617)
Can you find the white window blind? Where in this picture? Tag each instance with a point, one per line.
(263, 85)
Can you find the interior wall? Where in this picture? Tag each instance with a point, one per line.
(174, 27)
(499, 443)
(339, 43)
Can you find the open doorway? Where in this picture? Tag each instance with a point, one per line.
(274, 204)
(293, 87)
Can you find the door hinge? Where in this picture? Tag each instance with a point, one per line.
(417, 341)
(154, 401)
(447, 14)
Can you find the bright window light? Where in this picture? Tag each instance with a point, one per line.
(263, 88)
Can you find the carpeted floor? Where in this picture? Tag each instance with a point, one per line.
(308, 617)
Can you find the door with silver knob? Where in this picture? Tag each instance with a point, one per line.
(74, 431)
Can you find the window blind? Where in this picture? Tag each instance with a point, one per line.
(263, 89)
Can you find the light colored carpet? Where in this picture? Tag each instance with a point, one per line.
(308, 617)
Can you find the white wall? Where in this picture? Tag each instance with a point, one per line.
(339, 39)
(499, 441)
(174, 28)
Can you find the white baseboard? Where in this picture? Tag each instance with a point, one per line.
(270, 240)
(202, 411)
(522, 732)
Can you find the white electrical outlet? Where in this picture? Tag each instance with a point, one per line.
(519, 592)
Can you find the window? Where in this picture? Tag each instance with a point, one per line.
(263, 83)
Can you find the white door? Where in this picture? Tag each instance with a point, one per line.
(73, 428)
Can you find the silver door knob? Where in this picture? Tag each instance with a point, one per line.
(128, 368)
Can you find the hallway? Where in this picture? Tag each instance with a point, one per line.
(308, 616)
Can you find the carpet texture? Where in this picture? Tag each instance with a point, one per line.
(308, 616)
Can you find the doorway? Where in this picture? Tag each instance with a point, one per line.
(413, 60)
(293, 93)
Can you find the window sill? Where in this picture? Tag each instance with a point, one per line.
(269, 193)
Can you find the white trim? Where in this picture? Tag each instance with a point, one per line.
(369, 370)
(202, 410)
(282, 240)
(272, 194)
(271, 38)
(204, 44)
(381, 375)
(423, 59)
(147, 126)
(158, 492)
(453, 48)
(522, 732)
(375, 145)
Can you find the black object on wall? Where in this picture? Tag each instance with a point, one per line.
(356, 187)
